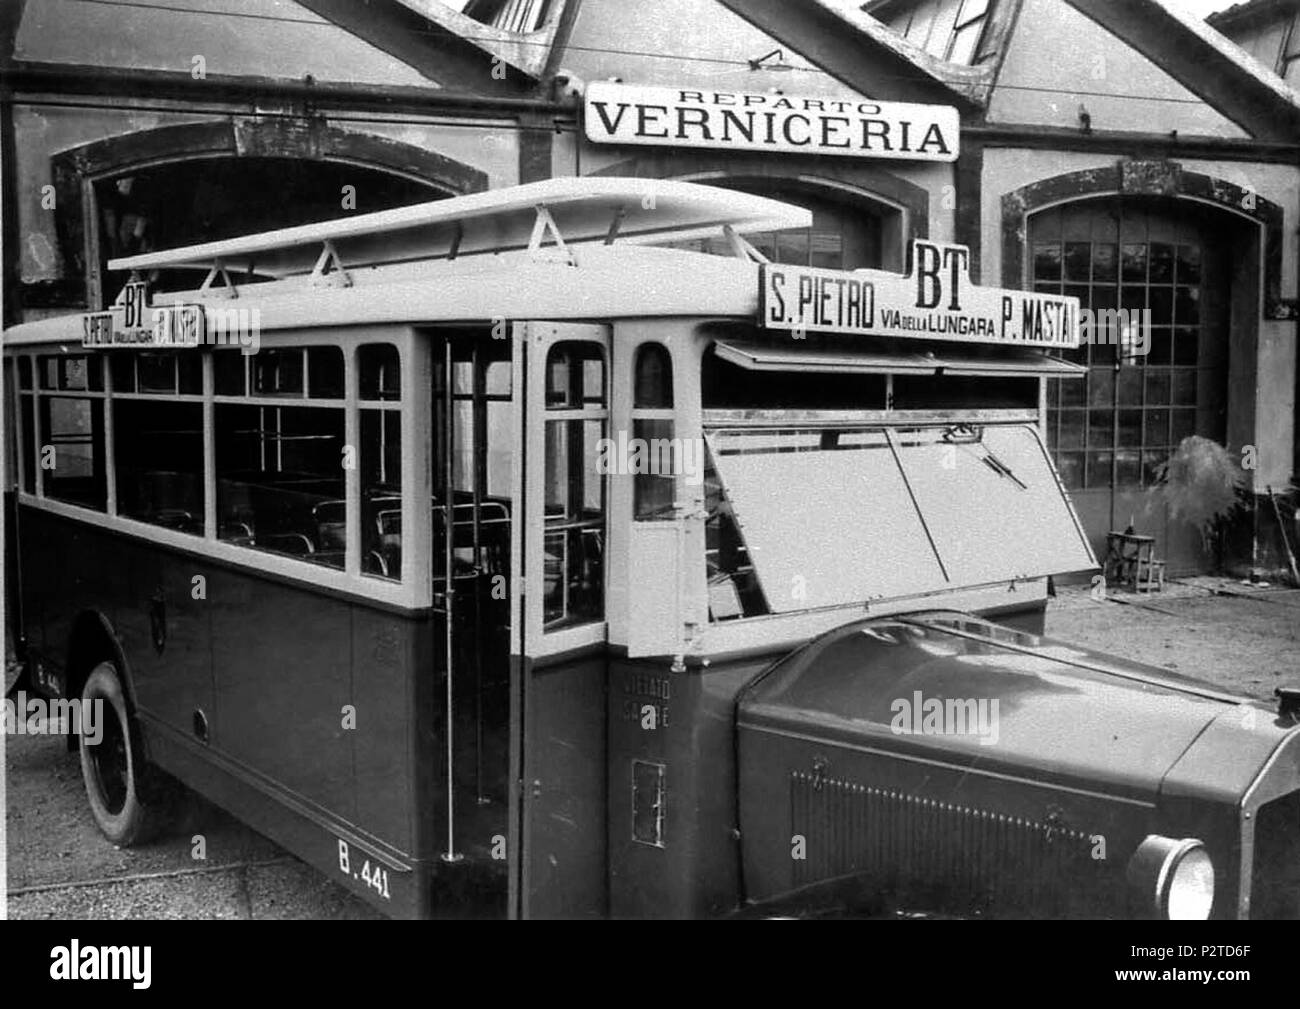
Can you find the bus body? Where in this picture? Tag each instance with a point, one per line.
(454, 547)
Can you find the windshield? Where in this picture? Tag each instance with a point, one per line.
(803, 518)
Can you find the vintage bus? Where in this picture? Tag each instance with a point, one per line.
(478, 552)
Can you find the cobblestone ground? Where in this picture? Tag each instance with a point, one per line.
(1240, 637)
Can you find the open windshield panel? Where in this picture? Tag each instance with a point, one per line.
(805, 518)
(848, 471)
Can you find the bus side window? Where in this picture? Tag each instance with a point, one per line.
(575, 421)
(72, 431)
(380, 388)
(11, 427)
(280, 476)
(653, 489)
(158, 438)
(27, 410)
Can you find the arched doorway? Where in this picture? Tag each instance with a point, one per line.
(183, 184)
(845, 234)
(1143, 393)
(202, 200)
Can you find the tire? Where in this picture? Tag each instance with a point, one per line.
(128, 798)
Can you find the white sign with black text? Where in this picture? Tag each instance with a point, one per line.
(685, 117)
(936, 301)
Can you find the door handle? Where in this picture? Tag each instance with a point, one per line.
(158, 621)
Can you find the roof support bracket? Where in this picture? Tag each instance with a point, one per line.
(741, 248)
(329, 271)
(218, 269)
(543, 223)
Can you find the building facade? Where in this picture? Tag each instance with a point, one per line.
(1106, 149)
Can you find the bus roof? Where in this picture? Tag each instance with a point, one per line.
(580, 210)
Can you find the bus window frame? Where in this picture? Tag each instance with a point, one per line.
(414, 589)
(533, 341)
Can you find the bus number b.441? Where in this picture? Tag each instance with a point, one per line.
(376, 878)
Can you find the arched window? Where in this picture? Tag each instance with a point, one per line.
(1155, 279)
(653, 490)
(844, 235)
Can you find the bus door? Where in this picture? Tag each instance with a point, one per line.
(473, 514)
(561, 670)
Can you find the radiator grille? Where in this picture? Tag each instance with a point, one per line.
(932, 854)
(1275, 886)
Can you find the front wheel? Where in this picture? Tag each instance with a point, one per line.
(117, 778)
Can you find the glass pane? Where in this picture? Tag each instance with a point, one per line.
(1158, 387)
(189, 373)
(30, 462)
(380, 372)
(1047, 261)
(1099, 469)
(1161, 351)
(1101, 387)
(1104, 296)
(279, 479)
(278, 372)
(1162, 306)
(1152, 462)
(1157, 428)
(593, 381)
(497, 380)
(1070, 467)
(159, 448)
(1071, 429)
(1130, 427)
(121, 365)
(229, 373)
(1189, 264)
(653, 489)
(1182, 425)
(1184, 386)
(1186, 346)
(1078, 256)
(1162, 263)
(792, 247)
(575, 519)
(654, 377)
(1104, 262)
(1101, 428)
(156, 372)
(575, 376)
(1128, 470)
(325, 372)
(1133, 264)
(1130, 387)
(1133, 297)
(24, 372)
(74, 429)
(827, 250)
(1073, 392)
(1187, 306)
(381, 500)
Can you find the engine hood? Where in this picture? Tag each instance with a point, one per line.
(957, 690)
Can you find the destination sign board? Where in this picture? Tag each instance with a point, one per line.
(132, 323)
(749, 121)
(936, 301)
